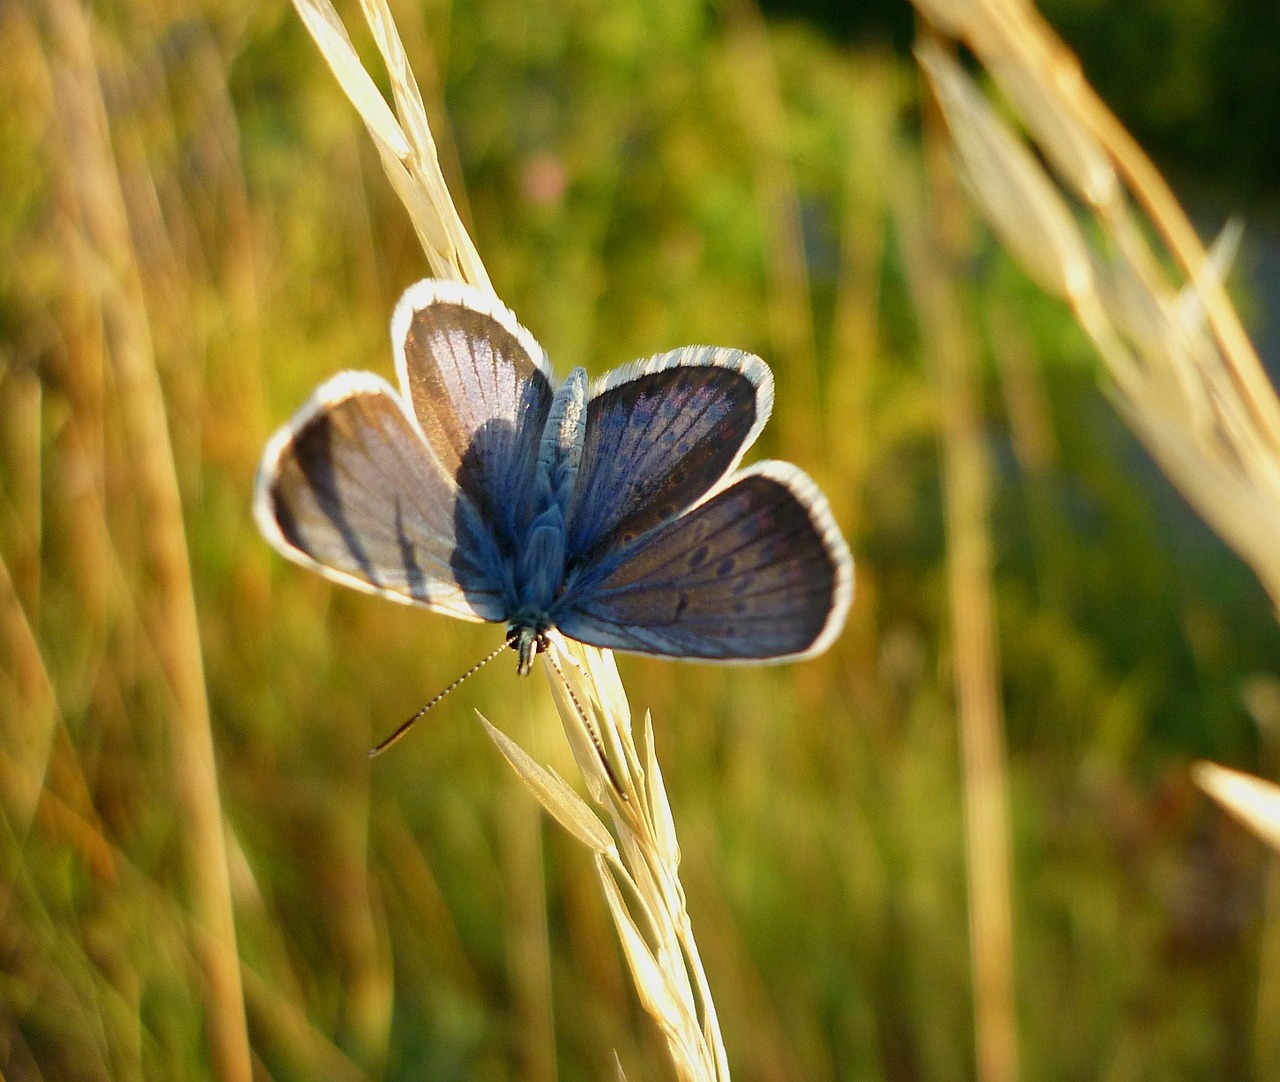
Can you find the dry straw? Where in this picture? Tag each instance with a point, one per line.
(167, 604)
(1183, 371)
(928, 251)
(636, 855)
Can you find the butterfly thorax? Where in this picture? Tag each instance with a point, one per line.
(538, 570)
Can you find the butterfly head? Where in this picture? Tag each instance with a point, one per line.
(527, 641)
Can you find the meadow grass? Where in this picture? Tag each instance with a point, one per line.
(198, 230)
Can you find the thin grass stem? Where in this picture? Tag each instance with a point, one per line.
(170, 610)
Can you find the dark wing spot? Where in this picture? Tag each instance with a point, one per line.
(725, 567)
(699, 557)
(313, 451)
(681, 605)
(413, 575)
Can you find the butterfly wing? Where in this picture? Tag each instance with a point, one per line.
(350, 489)
(757, 572)
(480, 387)
(659, 435)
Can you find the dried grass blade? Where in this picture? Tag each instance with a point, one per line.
(171, 609)
(408, 158)
(335, 46)
(404, 87)
(424, 166)
(929, 261)
(28, 743)
(553, 793)
(650, 976)
(1256, 803)
(1016, 195)
(664, 826)
(1073, 150)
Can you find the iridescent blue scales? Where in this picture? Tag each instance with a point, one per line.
(614, 514)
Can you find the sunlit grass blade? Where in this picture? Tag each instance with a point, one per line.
(1193, 390)
(168, 605)
(929, 254)
(1253, 801)
(585, 685)
(408, 152)
(553, 793)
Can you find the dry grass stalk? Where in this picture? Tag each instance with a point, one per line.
(403, 138)
(929, 249)
(169, 607)
(27, 746)
(1256, 803)
(1184, 373)
(638, 862)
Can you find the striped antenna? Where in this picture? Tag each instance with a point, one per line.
(373, 752)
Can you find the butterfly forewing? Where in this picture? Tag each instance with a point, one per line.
(479, 386)
(433, 497)
(757, 572)
(659, 435)
(350, 489)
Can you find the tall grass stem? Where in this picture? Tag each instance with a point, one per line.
(932, 247)
(169, 612)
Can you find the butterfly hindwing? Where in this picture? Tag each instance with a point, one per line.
(480, 388)
(757, 572)
(659, 435)
(433, 495)
(350, 489)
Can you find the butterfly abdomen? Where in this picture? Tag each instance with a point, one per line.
(539, 561)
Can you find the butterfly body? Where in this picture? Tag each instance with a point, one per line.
(612, 513)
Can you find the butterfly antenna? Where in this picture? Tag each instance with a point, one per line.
(465, 676)
(591, 731)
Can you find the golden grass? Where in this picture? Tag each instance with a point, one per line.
(231, 229)
(1183, 371)
(931, 236)
(642, 886)
(167, 613)
(637, 862)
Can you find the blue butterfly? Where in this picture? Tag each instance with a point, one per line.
(615, 514)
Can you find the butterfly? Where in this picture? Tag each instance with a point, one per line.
(614, 513)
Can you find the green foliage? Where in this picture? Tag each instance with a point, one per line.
(634, 174)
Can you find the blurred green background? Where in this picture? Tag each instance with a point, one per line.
(636, 176)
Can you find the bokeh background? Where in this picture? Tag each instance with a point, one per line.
(183, 182)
